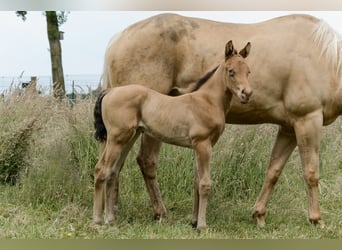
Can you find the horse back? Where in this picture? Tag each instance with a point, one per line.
(170, 51)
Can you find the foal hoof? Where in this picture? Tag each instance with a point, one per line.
(260, 219)
(157, 217)
(110, 222)
(320, 223)
(202, 229)
(199, 229)
(96, 221)
(159, 213)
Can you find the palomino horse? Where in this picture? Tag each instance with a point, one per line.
(299, 89)
(195, 120)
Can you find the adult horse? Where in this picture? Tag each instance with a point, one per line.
(296, 82)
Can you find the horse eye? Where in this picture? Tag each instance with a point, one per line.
(231, 72)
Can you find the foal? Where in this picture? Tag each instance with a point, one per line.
(194, 120)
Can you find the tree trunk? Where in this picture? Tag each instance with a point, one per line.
(56, 54)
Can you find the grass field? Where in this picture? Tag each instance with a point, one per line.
(47, 156)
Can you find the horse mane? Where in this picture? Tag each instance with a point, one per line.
(330, 45)
(204, 79)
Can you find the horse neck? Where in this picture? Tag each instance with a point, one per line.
(215, 89)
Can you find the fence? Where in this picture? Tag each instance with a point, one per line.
(80, 84)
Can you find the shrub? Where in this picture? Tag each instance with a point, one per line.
(14, 145)
(18, 122)
(63, 157)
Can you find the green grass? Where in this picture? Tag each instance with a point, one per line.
(53, 192)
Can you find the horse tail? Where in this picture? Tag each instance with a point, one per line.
(100, 129)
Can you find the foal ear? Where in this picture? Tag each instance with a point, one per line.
(230, 51)
(245, 51)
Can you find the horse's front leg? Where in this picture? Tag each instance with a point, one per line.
(282, 149)
(203, 153)
(308, 133)
(148, 162)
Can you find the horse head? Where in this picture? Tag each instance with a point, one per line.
(237, 72)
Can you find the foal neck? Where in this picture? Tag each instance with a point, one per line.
(215, 88)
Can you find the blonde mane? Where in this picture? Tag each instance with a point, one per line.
(330, 44)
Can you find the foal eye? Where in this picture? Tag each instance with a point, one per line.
(231, 72)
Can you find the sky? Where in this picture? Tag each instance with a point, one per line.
(24, 45)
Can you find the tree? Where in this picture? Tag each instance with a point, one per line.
(54, 20)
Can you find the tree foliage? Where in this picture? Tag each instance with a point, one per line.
(62, 16)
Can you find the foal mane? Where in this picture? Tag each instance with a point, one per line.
(204, 79)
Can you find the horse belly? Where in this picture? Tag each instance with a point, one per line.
(166, 118)
(172, 135)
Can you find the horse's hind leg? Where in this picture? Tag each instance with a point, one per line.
(282, 149)
(102, 170)
(112, 187)
(99, 198)
(148, 162)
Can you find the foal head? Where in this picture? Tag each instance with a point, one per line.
(236, 72)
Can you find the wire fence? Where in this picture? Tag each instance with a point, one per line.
(80, 84)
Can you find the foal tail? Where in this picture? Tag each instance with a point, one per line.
(100, 129)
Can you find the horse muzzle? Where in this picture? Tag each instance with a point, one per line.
(245, 95)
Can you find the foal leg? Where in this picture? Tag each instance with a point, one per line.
(308, 133)
(102, 171)
(99, 203)
(196, 198)
(148, 162)
(203, 154)
(112, 187)
(282, 149)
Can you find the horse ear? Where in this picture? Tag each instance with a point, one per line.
(245, 51)
(229, 49)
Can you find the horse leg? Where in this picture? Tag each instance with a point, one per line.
(98, 192)
(308, 133)
(203, 154)
(112, 187)
(282, 149)
(196, 198)
(147, 160)
(101, 173)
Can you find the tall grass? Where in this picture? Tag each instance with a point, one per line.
(59, 151)
(48, 152)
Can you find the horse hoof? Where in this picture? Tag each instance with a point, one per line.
(320, 223)
(97, 221)
(110, 222)
(96, 224)
(194, 224)
(159, 216)
(201, 229)
(260, 219)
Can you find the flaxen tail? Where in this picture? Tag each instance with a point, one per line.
(100, 129)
